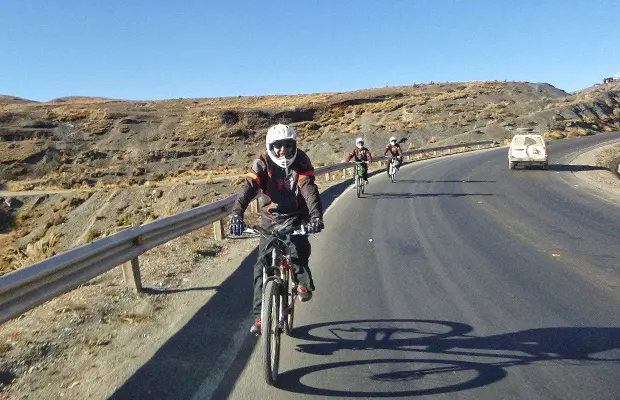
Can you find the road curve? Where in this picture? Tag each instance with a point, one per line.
(463, 279)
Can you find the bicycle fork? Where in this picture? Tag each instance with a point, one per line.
(277, 277)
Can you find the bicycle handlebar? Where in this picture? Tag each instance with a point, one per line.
(303, 230)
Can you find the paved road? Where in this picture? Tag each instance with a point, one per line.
(462, 280)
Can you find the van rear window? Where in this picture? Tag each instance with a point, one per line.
(528, 140)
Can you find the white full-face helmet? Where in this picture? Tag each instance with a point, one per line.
(359, 142)
(278, 136)
(392, 140)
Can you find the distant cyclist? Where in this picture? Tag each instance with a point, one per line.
(361, 153)
(290, 197)
(395, 151)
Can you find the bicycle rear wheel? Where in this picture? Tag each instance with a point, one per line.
(271, 331)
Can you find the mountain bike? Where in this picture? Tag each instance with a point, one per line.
(279, 295)
(392, 168)
(359, 180)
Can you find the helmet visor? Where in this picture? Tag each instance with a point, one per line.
(286, 143)
(284, 148)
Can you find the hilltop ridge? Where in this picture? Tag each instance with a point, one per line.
(102, 140)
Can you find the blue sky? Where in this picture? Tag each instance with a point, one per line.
(137, 49)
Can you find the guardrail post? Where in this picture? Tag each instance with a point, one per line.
(328, 176)
(218, 230)
(344, 173)
(131, 273)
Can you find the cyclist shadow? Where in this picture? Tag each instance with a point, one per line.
(420, 195)
(442, 338)
(575, 168)
(440, 181)
(190, 356)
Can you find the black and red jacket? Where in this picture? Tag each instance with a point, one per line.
(362, 154)
(287, 192)
(393, 150)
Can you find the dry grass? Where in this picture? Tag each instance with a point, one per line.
(555, 134)
(237, 180)
(92, 234)
(34, 252)
(604, 157)
(17, 150)
(134, 318)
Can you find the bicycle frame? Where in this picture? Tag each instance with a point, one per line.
(358, 170)
(281, 271)
(392, 168)
(359, 181)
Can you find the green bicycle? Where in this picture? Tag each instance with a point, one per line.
(359, 180)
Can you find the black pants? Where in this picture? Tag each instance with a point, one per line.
(299, 249)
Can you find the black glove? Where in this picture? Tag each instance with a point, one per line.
(315, 225)
(236, 225)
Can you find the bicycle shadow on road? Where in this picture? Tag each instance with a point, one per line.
(424, 354)
(441, 181)
(573, 168)
(419, 195)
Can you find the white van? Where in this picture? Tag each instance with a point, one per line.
(528, 149)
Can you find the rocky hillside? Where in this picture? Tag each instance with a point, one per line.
(135, 159)
(72, 141)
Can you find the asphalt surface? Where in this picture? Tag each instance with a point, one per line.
(463, 279)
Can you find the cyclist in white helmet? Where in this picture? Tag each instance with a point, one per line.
(395, 151)
(361, 153)
(290, 197)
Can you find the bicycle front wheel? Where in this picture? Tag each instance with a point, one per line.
(358, 186)
(290, 306)
(271, 331)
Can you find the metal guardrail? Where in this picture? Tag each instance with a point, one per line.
(416, 152)
(30, 286)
